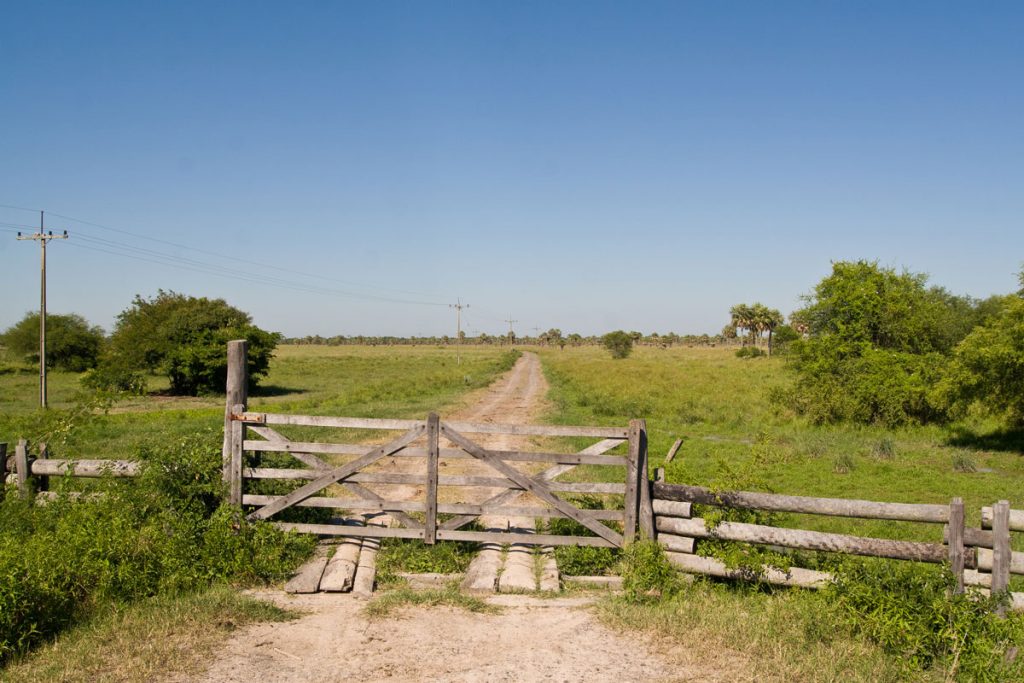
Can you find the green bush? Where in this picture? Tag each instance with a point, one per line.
(618, 343)
(750, 352)
(71, 343)
(165, 531)
(647, 574)
(909, 610)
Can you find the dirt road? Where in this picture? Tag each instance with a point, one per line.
(530, 639)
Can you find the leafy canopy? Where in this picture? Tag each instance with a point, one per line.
(186, 338)
(71, 343)
(618, 343)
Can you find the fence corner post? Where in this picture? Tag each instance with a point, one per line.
(430, 525)
(632, 495)
(645, 516)
(956, 543)
(237, 393)
(22, 468)
(1000, 549)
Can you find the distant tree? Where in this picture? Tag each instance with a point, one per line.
(71, 343)
(618, 343)
(186, 339)
(766, 320)
(575, 339)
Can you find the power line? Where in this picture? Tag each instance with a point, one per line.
(458, 329)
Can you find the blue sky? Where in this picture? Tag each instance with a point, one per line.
(582, 165)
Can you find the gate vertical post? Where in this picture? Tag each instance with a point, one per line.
(956, 542)
(3, 469)
(21, 466)
(237, 390)
(43, 481)
(1001, 549)
(236, 437)
(645, 516)
(430, 526)
(632, 502)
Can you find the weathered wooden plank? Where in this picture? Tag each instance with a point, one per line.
(795, 576)
(57, 467)
(645, 512)
(986, 559)
(297, 447)
(538, 430)
(237, 460)
(339, 422)
(307, 580)
(345, 530)
(836, 507)
(807, 540)
(393, 506)
(341, 568)
(672, 451)
(529, 539)
(672, 508)
(21, 468)
(360, 504)
(1001, 559)
(430, 526)
(1016, 519)
(547, 475)
(956, 543)
(334, 475)
(677, 544)
(482, 573)
(536, 487)
(632, 494)
(366, 569)
(419, 479)
(975, 538)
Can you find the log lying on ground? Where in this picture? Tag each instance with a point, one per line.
(986, 558)
(672, 508)
(808, 540)
(1016, 519)
(804, 578)
(678, 544)
(836, 507)
(81, 468)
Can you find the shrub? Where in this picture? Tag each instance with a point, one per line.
(647, 574)
(750, 352)
(618, 343)
(71, 343)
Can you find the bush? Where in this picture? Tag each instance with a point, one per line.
(647, 574)
(71, 343)
(184, 338)
(750, 352)
(165, 531)
(618, 343)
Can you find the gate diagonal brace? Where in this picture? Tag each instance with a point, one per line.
(302, 493)
(316, 463)
(537, 488)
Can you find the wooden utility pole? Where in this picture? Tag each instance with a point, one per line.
(42, 237)
(511, 334)
(458, 329)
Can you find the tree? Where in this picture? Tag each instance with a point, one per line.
(619, 343)
(988, 365)
(71, 343)
(766, 319)
(185, 338)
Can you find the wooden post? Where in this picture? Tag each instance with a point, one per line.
(237, 390)
(632, 496)
(1001, 549)
(645, 516)
(430, 526)
(21, 467)
(236, 437)
(43, 482)
(659, 475)
(672, 451)
(3, 469)
(956, 542)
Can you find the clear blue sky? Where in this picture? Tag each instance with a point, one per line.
(582, 165)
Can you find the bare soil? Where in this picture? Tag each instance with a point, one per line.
(529, 639)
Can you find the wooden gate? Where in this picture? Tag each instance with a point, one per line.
(440, 506)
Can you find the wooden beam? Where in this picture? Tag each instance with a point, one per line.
(237, 457)
(526, 539)
(337, 473)
(956, 543)
(537, 487)
(836, 507)
(392, 506)
(806, 540)
(57, 467)
(1016, 519)
(339, 422)
(645, 513)
(1001, 551)
(538, 430)
(795, 576)
(632, 501)
(237, 393)
(672, 451)
(430, 527)
(3, 469)
(421, 479)
(21, 467)
(346, 530)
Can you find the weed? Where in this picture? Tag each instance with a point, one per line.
(884, 448)
(391, 600)
(647, 574)
(843, 463)
(963, 461)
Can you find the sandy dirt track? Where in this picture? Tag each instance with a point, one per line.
(530, 639)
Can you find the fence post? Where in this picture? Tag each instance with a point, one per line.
(237, 435)
(43, 481)
(645, 515)
(21, 468)
(430, 525)
(1000, 549)
(632, 497)
(3, 469)
(237, 391)
(659, 475)
(956, 542)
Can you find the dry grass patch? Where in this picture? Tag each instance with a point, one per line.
(388, 602)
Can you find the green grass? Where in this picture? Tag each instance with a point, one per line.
(143, 641)
(389, 601)
(396, 382)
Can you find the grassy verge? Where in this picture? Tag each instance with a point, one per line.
(399, 597)
(142, 641)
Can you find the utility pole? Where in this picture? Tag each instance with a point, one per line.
(511, 334)
(42, 237)
(458, 329)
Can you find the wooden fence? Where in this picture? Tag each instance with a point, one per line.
(979, 557)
